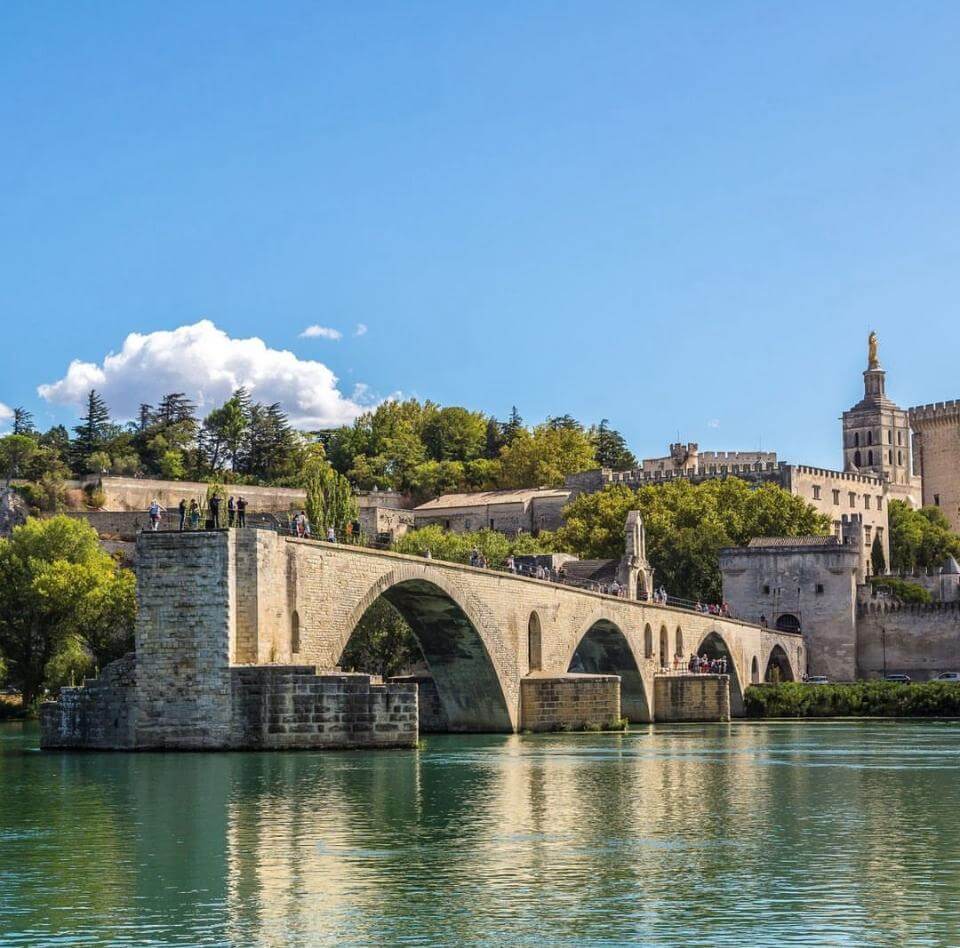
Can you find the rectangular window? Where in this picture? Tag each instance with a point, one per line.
(879, 502)
(853, 499)
(492, 527)
(899, 437)
(446, 524)
(837, 528)
(819, 589)
(890, 437)
(889, 457)
(936, 500)
(866, 501)
(766, 590)
(866, 534)
(836, 498)
(816, 491)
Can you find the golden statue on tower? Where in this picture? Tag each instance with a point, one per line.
(873, 362)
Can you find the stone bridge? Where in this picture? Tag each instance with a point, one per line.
(264, 599)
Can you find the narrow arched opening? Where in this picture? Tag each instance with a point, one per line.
(416, 629)
(678, 651)
(714, 646)
(295, 633)
(604, 650)
(755, 671)
(787, 622)
(647, 641)
(778, 666)
(534, 644)
(664, 647)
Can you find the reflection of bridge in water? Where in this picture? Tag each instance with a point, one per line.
(481, 631)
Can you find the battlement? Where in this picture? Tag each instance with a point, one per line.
(936, 411)
(838, 475)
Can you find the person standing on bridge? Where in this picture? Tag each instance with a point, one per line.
(241, 512)
(156, 512)
(182, 508)
(331, 535)
(215, 511)
(231, 511)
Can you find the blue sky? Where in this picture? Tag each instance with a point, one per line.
(684, 217)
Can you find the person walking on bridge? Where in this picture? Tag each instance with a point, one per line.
(156, 512)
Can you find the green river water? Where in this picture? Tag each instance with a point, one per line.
(827, 833)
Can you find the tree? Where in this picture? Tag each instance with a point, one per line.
(16, 450)
(563, 423)
(94, 429)
(57, 588)
(919, 539)
(611, 448)
(686, 526)
(877, 560)
(513, 426)
(545, 457)
(382, 643)
(455, 434)
(23, 422)
(225, 429)
(457, 547)
(330, 501)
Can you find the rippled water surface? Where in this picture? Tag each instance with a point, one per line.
(742, 834)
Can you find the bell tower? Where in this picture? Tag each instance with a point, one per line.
(876, 431)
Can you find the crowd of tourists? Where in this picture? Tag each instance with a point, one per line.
(191, 514)
(701, 665)
(713, 608)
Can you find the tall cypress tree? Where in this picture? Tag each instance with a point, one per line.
(92, 431)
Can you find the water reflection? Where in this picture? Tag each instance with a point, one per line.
(728, 834)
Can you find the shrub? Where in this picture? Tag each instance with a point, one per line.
(872, 698)
(900, 589)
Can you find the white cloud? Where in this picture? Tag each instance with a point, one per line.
(208, 365)
(361, 329)
(6, 413)
(713, 423)
(321, 332)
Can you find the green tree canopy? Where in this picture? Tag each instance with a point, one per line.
(16, 452)
(58, 588)
(545, 456)
(456, 547)
(330, 500)
(919, 539)
(686, 526)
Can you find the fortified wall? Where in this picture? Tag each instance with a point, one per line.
(916, 640)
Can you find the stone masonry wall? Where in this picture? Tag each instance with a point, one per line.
(184, 638)
(283, 707)
(99, 715)
(919, 641)
(430, 714)
(570, 701)
(692, 697)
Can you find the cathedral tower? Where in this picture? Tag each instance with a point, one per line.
(876, 431)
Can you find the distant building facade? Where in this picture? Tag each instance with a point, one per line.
(508, 511)
(936, 450)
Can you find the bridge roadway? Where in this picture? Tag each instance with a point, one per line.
(481, 630)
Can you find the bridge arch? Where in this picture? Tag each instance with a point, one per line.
(714, 645)
(603, 649)
(778, 665)
(453, 646)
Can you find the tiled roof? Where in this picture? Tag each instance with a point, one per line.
(484, 497)
(792, 541)
(600, 571)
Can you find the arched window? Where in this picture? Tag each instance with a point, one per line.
(534, 647)
(870, 457)
(856, 439)
(856, 458)
(788, 623)
(754, 671)
(295, 632)
(899, 457)
(679, 648)
(664, 647)
(648, 642)
(869, 437)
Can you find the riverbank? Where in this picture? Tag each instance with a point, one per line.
(884, 699)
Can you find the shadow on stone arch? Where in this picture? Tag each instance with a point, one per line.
(466, 680)
(714, 646)
(604, 650)
(778, 666)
